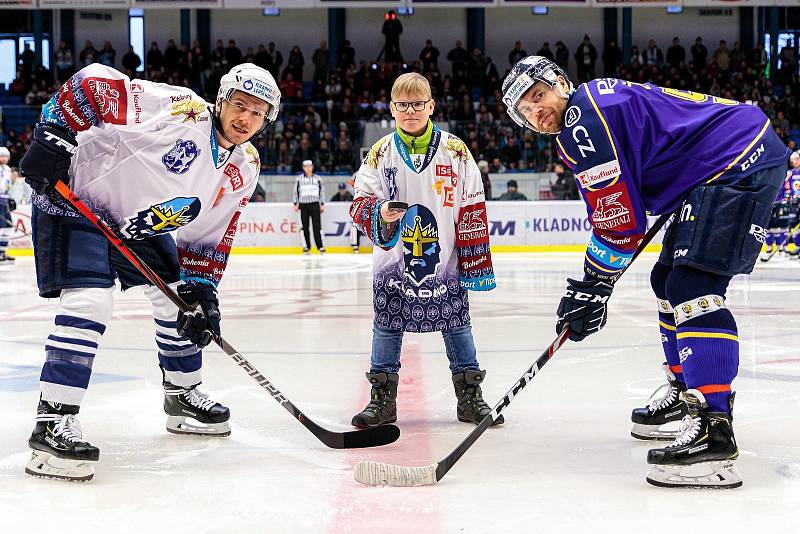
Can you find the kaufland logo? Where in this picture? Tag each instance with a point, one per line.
(599, 173)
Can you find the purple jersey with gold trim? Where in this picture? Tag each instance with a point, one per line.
(640, 148)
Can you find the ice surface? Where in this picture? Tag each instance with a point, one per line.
(563, 462)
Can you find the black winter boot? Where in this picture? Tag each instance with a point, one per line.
(471, 406)
(382, 407)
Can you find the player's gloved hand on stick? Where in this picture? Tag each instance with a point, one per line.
(12, 204)
(200, 325)
(583, 307)
(48, 158)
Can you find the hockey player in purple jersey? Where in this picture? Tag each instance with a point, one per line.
(637, 149)
(792, 188)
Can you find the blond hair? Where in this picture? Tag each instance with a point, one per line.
(411, 84)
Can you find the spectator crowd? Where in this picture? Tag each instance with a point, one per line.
(323, 117)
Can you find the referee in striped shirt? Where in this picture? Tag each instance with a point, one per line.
(309, 200)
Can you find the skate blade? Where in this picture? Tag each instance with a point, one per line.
(178, 424)
(45, 465)
(706, 475)
(664, 432)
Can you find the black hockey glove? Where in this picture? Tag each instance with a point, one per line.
(200, 325)
(48, 158)
(12, 204)
(583, 307)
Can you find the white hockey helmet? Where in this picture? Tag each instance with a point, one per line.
(4, 153)
(793, 157)
(524, 75)
(255, 81)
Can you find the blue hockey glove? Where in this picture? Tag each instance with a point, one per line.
(200, 325)
(583, 307)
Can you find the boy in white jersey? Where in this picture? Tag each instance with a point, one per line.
(150, 159)
(427, 255)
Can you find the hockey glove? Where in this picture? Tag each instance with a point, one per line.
(12, 204)
(583, 307)
(200, 325)
(48, 158)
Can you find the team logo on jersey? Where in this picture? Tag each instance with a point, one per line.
(110, 97)
(390, 174)
(190, 110)
(572, 116)
(163, 217)
(181, 156)
(612, 208)
(457, 149)
(420, 236)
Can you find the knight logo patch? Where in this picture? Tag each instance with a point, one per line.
(163, 217)
(181, 156)
(420, 237)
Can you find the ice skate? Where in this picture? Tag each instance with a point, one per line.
(191, 412)
(703, 454)
(59, 450)
(660, 419)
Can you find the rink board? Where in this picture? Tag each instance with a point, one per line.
(275, 228)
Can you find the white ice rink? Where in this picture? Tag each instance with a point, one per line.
(563, 462)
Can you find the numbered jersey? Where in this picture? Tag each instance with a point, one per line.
(639, 148)
(148, 161)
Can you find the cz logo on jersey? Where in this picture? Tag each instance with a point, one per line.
(232, 172)
(181, 156)
(163, 217)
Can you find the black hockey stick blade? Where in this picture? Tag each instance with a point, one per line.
(382, 474)
(372, 437)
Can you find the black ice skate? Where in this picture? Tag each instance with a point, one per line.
(703, 454)
(382, 407)
(191, 412)
(6, 259)
(59, 450)
(471, 406)
(654, 421)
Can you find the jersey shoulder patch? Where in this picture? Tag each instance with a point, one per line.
(586, 143)
(378, 150)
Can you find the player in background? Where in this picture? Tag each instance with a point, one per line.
(7, 205)
(637, 149)
(778, 227)
(151, 159)
(792, 188)
(430, 249)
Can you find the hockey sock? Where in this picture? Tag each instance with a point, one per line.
(666, 319)
(770, 239)
(707, 338)
(180, 359)
(69, 351)
(796, 239)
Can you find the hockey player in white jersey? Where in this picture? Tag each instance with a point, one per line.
(150, 159)
(7, 205)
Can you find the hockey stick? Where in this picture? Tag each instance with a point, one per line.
(381, 474)
(370, 437)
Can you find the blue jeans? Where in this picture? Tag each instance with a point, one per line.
(458, 343)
